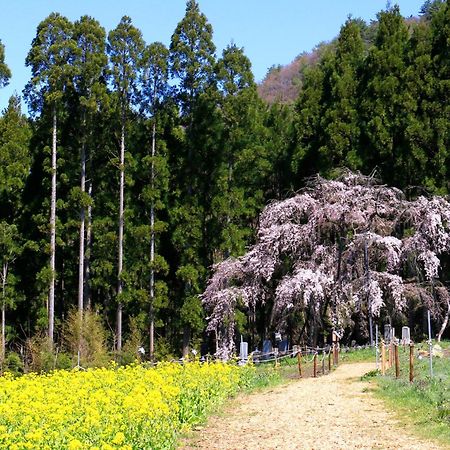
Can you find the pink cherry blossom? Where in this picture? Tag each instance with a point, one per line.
(335, 247)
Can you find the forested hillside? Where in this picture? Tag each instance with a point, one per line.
(140, 165)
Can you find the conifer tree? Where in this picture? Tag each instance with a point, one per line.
(15, 162)
(192, 64)
(239, 191)
(49, 58)
(439, 107)
(89, 63)
(340, 124)
(386, 105)
(155, 87)
(125, 46)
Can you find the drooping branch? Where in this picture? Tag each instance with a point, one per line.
(375, 237)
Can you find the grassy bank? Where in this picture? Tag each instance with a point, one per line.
(425, 403)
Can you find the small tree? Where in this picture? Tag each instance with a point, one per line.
(337, 247)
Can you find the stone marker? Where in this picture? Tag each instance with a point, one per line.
(406, 337)
(243, 351)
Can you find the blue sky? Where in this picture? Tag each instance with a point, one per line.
(271, 31)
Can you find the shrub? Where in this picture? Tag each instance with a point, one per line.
(86, 336)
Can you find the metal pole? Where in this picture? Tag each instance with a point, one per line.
(430, 343)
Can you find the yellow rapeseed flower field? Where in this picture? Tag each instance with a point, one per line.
(124, 408)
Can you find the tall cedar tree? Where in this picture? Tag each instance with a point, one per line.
(125, 46)
(340, 125)
(192, 64)
(15, 161)
(309, 110)
(440, 105)
(50, 60)
(386, 104)
(155, 88)
(239, 193)
(89, 63)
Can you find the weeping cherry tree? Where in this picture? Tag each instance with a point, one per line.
(336, 248)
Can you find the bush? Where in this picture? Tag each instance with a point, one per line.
(13, 363)
(86, 336)
(40, 357)
(129, 353)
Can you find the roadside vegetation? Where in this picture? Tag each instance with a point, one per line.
(423, 404)
(131, 407)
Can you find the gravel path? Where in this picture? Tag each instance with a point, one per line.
(331, 412)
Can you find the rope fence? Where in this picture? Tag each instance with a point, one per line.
(402, 360)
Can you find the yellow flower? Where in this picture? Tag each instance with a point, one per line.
(119, 438)
(75, 444)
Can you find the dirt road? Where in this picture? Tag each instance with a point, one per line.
(332, 412)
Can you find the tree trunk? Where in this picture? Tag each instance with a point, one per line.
(3, 345)
(445, 323)
(82, 227)
(51, 295)
(121, 226)
(369, 300)
(87, 254)
(152, 249)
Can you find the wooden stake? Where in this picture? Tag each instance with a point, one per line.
(315, 366)
(389, 356)
(383, 358)
(329, 361)
(411, 362)
(323, 362)
(397, 362)
(299, 358)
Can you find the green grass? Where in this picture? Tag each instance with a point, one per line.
(425, 403)
(355, 356)
(288, 367)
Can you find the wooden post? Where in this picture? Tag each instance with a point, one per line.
(337, 353)
(323, 362)
(383, 358)
(389, 356)
(411, 362)
(397, 362)
(315, 365)
(299, 358)
(329, 361)
(392, 354)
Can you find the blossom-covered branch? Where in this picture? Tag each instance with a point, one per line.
(349, 243)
